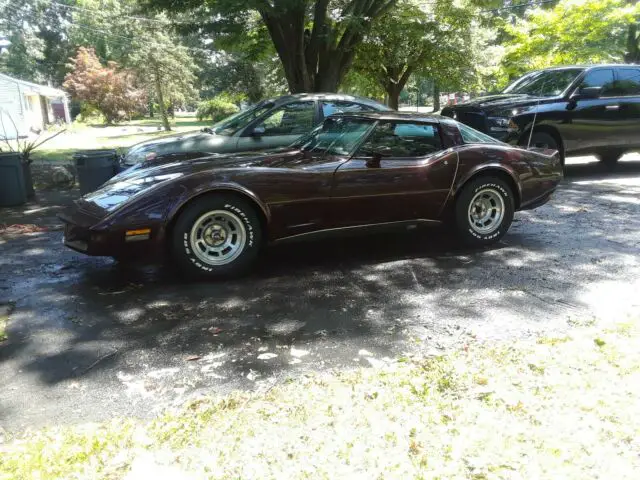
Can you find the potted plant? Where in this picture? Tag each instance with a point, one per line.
(23, 150)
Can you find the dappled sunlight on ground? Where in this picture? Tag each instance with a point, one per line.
(313, 306)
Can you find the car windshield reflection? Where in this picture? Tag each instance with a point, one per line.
(232, 124)
(547, 83)
(336, 136)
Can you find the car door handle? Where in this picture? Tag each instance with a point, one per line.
(612, 107)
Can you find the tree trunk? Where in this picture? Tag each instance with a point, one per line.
(160, 96)
(317, 60)
(394, 85)
(436, 96)
(393, 95)
(632, 54)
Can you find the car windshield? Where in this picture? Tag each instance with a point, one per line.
(232, 124)
(546, 83)
(336, 136)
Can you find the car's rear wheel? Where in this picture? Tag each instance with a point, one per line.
(543, 140)
(610, 158)
(216, 236)
(484, 210)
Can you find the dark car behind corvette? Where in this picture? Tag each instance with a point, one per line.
(357, 172)
(577, 110)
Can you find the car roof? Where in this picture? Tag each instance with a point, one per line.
(392, 115)
(325, 96)
(585, 67)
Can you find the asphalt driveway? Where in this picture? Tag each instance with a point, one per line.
(89, 339)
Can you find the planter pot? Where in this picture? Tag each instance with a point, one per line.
(28, 180)
(12, 185)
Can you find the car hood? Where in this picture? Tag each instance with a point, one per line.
(190, 162)
(129, 185)
(179, 142)
(501, 102)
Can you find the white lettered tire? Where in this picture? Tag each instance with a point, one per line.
(217, 235)
(484, 210)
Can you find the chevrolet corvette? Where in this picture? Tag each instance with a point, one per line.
(355, 172)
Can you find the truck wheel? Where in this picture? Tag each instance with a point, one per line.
(543, 140)
(609, 158)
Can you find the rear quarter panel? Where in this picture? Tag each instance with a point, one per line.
(532, 175)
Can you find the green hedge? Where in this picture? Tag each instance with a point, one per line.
(216, 109)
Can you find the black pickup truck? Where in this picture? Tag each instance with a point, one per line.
(578, 110)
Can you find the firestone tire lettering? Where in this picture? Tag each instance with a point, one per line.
(469, 235)
(182, 252)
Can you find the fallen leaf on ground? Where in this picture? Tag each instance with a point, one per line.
(22, 228)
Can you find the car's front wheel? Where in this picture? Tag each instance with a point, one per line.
(484, 210)
(216, 236)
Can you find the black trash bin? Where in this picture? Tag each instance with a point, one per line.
(94, 168)
(12, 186)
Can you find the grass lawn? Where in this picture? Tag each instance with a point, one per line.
(120, 136)
(555, 408)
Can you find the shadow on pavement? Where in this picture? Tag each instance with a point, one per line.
(80, 318)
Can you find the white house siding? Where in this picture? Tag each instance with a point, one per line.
(20, 101)
(11, 109)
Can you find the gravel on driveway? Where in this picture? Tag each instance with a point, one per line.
(89, 339)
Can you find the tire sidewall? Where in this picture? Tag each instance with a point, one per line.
(469, 235)
(182, 252)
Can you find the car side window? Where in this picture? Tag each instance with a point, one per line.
(628, 82)
(339, 106)
(600, 78)
(292, 119)
(401, 139)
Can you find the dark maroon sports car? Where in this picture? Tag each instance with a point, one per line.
(355, 172)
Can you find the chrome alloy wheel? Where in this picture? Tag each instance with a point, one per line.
(218, 237)
(486, 211)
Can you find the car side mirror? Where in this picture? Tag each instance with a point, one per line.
(258, 131)
(382, 151)
(587, 93)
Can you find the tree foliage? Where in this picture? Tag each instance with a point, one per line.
(39, 47)
(315, 40)
(216, 109)
(111, 90)
(149, 47)
(574, 31)
(432, 39)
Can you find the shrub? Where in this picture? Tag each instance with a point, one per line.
(216, 109)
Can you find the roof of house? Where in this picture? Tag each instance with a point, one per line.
(29, 87)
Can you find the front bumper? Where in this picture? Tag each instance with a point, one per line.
(81, 236)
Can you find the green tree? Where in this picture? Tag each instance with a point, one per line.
(39, 48)
(315, 40)
(432, 39)
(166, 66)
(573, 31)
(150, 47)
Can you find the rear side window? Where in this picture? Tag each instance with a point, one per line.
(602, 79)
(469, 135)
(331, 107)
(628, 82)
(400, 139)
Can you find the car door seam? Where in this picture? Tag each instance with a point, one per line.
(451, 188)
